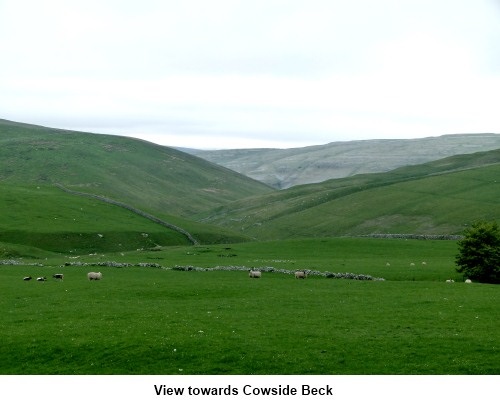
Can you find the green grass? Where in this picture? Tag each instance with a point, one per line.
(44, 217)
(437, 198)
(49, 219)
(158, 180)
(217, 205)
(154, 178)
(390, 259)
(144, 320)
(337, 255)
(155, 321)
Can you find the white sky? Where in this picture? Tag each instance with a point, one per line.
(255, 73)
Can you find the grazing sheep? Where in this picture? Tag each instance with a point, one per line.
(412, 264)
(424, 263)
(58, 276)
(254, 274)
(300, 274)
(94, 276)
(468, 281)
(450, 281)
(28, 278)
(41, 278)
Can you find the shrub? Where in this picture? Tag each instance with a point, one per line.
(479, 252)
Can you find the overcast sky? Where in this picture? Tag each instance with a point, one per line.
(256, 73)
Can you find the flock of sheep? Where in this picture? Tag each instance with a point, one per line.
(251, 273)
(98, 276)
(59, 276)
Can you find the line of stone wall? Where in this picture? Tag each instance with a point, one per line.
(412, 236)
(266, 269)
(327, 274)
(134, 210)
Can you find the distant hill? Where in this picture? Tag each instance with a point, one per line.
(284, 168)
(162, 181)
(439, 197)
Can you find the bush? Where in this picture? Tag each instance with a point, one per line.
(479, 253)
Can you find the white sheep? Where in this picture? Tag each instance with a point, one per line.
(468, 281)
(254, 274)
(450, 281)
(94, 276)
(300, 274)
(41, 278)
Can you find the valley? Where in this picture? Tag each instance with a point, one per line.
(377, 248)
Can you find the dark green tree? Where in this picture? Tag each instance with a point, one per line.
(479, 252)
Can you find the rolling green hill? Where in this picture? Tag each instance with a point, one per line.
(121, 182)
(155, 178)
(439, 197)
(166, 183)
(36, 221)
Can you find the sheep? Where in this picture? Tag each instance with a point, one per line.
(94, 276)
(300, 274)
(58, 276)
(28, 278)
(254, 274)
(41, 278)
(468, 281)
(450, 281)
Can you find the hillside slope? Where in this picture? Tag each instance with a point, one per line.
(439, 197)
(154, 178)
(46, 218)
(284, 168)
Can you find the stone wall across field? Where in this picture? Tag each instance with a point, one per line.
(327, 274)
(12, 262)
(265, 269)
(133, 209)
(412, 236)
(114, 264)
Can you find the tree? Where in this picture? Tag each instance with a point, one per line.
(479, 252)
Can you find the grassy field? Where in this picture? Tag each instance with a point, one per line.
(45, 217)
(159, 321)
